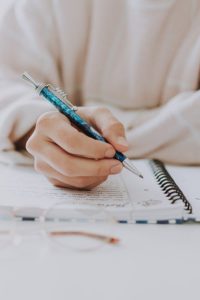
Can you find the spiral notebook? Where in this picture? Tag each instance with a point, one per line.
(167, 194)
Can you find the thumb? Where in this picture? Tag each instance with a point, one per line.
(110, 127)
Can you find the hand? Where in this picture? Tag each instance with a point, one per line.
(69, 158)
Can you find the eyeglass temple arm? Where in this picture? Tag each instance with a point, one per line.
(104, 238)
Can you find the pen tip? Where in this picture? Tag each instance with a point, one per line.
(141, 176)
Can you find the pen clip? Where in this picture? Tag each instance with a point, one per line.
(61, 94)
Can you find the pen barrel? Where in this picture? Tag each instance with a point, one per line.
(119, 156)
(76, 119)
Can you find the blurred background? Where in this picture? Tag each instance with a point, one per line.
(4, 4)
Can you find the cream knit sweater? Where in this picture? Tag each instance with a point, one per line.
(139, 57)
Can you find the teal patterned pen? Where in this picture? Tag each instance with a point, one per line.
(59, 99)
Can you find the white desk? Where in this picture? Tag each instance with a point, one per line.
(154, 262)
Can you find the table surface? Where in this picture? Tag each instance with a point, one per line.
(152, 262)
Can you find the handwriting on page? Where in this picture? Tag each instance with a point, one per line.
(109, 194)
(23, 187)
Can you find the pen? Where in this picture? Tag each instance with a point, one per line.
(59, 99)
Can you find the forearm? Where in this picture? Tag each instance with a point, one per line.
(172, 134)
(20, 107)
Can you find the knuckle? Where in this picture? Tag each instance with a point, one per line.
(81, 182)
(104, 178)
(42, 122)
(35, 144)
(38, 166)
(62, 133)
(102, 170)
(101, 110)
(55, 182)
(114, 126)
(73, 142)
(31, 145)
(99, 155)
(69, 169)
(28, 145)
(45, 119)
(98, 151)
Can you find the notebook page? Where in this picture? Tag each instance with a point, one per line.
(147, 198)
(187, 178)
(23, 187)
(126, 196)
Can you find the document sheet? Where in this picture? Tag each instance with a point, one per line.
(22, 186)
(126, 195)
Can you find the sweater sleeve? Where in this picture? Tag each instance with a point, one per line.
(170, 132)
(29, 45)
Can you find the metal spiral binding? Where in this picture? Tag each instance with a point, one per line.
(168, 185)
(64, 96)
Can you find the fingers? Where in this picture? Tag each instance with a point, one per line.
(86, 187)
(59, 180)
(109, 127)
(72, 166)
(68, 157)
(58, 129)
(69, 165)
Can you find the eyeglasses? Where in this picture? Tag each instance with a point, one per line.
(61, 227)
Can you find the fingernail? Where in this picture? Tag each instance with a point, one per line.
(116, 168)
(122, 141)
(110, 153)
